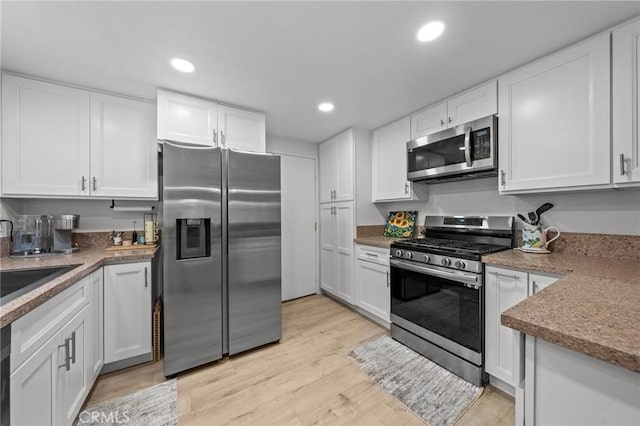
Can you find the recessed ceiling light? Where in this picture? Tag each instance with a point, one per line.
(325, 107)
(431, 31)
(182, 65)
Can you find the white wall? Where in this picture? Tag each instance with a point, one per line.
(95, 215)
(280, 145)
(601, 212)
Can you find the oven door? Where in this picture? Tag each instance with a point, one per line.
(440, 305)
(463, 149)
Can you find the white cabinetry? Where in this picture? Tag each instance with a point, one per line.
(96, 296)
(626, 103)
(123, 148)
(194, 120)
(504, 288)
(50, 349)
(468, 106)
(337, 168)
(63, 142)
(389, 162)
(372, 281)
(555, 121)
(336, 249)
(127, 311)
(45, 138)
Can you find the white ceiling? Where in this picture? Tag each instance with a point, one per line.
(285, 57)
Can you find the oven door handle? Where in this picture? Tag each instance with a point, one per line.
(454, 276)
(467, 145)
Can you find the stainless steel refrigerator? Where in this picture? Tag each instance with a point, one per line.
(222, 253)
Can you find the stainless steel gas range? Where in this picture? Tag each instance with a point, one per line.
(437, 292)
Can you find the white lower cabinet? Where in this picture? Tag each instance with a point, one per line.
(49, 359)
(127, 310)
(372, 290)
(96, 296)
(336, 249)
(504, 288)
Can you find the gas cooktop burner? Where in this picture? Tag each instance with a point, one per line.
(451, 245)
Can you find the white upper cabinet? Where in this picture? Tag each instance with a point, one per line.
(193, 120)
(554, 114)
(468, 106)
(123, 148)
(62, 142)
(242, 130)
(626, 103)
(337, 168)
(389, 162)
(45, 138)
(428, 121)
(186, 118)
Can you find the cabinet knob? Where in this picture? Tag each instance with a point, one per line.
(450, 120)
(441, 122)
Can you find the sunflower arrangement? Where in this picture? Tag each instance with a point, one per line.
(400, 224)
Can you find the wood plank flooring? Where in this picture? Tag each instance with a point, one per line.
(305, 379)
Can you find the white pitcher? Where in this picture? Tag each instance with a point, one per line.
(534, 237)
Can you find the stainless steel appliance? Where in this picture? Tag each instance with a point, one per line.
(222, 273)
(31, 235)
(466, 151)
(437, 293)
(62, 225)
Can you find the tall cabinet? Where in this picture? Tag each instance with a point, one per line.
(338, 201)
(626, 103)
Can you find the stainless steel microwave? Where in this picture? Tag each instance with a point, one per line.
(466, 151)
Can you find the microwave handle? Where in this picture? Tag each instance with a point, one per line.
(467, 146)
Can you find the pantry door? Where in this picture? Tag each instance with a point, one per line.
(299, 245)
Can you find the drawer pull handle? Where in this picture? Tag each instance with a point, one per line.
(73, 347)
(67, 358)
(497, 274)
(146, 280)
(371, 254)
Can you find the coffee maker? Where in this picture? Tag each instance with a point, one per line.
(31, 235)
(62, 225)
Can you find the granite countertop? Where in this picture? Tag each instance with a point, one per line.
(376, 241)
(594, 308)
(89, 261)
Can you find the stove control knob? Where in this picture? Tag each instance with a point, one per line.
(408, 255)
(460, 264)
(446, 261)
(398, 253)
(426, 258)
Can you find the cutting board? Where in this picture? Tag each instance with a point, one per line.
(131, 247)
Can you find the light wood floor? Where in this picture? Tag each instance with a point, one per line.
(304, 380)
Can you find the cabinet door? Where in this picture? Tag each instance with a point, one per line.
(389, 168)
(626, 102)
(96, 284)
(554, 120)
(344, 250)
(344, 166)
(540, 282)
(373, 294)
(473, 105)
(504, 289)
(241, 130)
(124, 153)
(33, 386)
(75, 382)
(127, 311)
(45, 138)
(186, 118)
(327, 159)
(327, 248)
(428, 121)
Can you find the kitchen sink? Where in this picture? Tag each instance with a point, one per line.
(16, 282)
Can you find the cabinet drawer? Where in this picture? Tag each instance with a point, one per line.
(377, 255)
(31, 331)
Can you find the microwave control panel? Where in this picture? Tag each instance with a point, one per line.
(481, 144)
